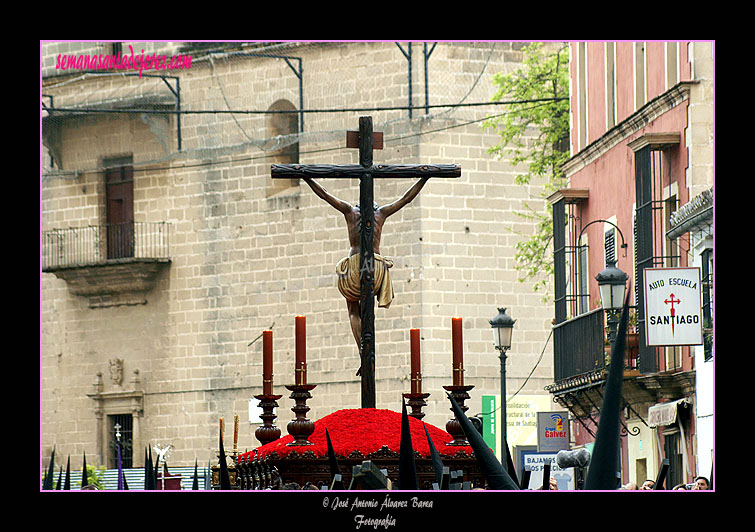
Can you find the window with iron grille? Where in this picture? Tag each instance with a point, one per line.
(121, 431)
(653, 249)
(578, 333)
(571, 296)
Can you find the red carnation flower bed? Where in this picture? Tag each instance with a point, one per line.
(365, 430)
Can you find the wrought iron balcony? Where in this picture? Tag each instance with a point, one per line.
(580, 347)
(107, 261)
(581, 358)
(99, 244)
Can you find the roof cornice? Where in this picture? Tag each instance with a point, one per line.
(628, 127)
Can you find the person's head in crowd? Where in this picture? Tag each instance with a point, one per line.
(648, 485)
(701, 483)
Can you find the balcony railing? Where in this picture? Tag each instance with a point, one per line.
(100, 244)
(579, 346)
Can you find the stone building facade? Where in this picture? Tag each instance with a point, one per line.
(165, 335)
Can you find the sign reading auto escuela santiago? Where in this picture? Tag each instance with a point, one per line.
(673, 310)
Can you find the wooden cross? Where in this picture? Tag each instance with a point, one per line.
(366, 171)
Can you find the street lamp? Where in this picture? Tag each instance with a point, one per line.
(612, 283)
(502, 326)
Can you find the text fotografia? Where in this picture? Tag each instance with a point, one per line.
(360, 504)
(374, 522)
(140, 62)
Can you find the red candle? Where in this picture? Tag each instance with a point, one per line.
(458, 352)
(267, 362)
(300, 368)
(235, 432)
(416, 373)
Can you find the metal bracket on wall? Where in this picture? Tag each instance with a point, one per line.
(296, 70)
(408, 56)
(426, 55)
(427, 85)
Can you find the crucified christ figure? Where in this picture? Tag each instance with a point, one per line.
(348, 268)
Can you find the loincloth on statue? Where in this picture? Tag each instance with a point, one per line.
(349, 279)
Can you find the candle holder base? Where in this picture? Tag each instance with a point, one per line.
(416, 401)
(267, 432)
(300, 427)
(453, 427)
(230, 461)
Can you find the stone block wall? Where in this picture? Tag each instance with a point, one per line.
(244, 259)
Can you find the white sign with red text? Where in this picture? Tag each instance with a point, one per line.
(673, 309)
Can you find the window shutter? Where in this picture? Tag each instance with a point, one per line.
(610, 246)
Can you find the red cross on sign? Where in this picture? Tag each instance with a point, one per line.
(672, 301)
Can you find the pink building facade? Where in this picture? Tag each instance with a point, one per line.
(637, 139)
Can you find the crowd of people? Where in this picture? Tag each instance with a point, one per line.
(700, 483)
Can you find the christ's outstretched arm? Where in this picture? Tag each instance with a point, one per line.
(409, 195)
(320, 191)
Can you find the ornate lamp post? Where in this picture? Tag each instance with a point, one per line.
(502, 326)
(613, 284)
